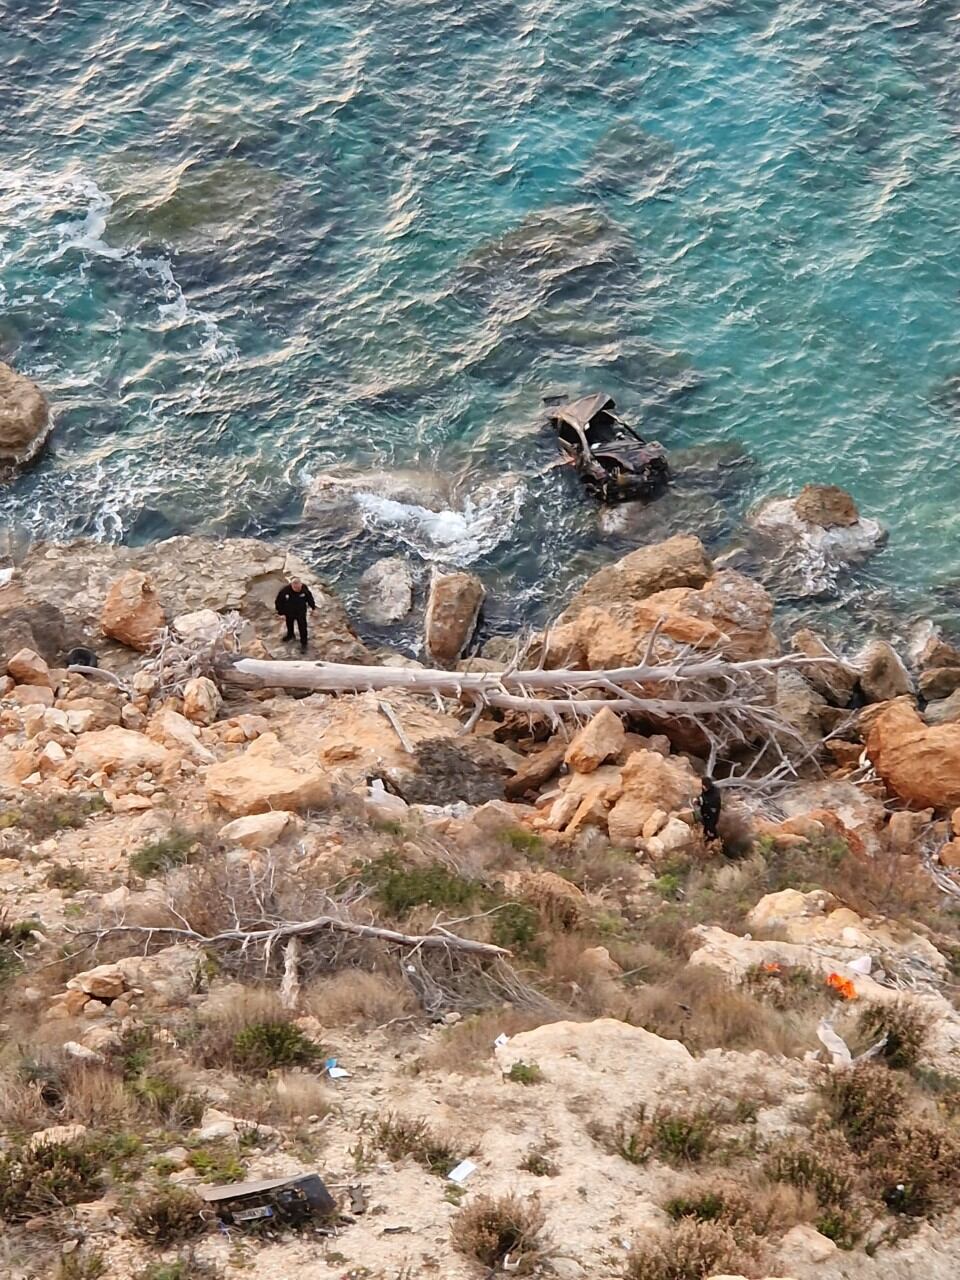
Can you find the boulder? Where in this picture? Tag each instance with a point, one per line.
(36, 695)
(614, 1064)
(883, 675)
(268, 776)
(832, 679)
(731, 613)
(24, 418)
(680, 561)
(800, 706)
(386, 591)
(176, 732)
(918, 762)
(452, 612)
(826, 505)
(259, 830)
(132, 612)
(946, 711)
(650, 782)
(536, 769)
(201, 700)
(813, 536)
(58, 1135)
(938, 682)
(598, 741)
(116, 750)
(105, 982)
(27, 667)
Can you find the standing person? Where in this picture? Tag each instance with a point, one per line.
(709, 805)
(292, 604)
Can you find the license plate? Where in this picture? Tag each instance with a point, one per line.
(248, 1215)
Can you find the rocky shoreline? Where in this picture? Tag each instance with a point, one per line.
(509, 919)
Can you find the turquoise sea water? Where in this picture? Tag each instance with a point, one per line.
(245, 242)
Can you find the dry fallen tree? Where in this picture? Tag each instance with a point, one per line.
(729, 702)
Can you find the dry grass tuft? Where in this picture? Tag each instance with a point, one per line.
(467, 1048)
(399, 1137)
(692, 1250)
(167, 1215)
(353, 997)
(285, 1097)
(501, 1231)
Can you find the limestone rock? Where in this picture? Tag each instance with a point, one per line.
(651, 782)
(176, 732)
(536, 770)
(259, 830)
(834, 680)
(599, 740)
(132, 612)
(116, 750)
(268, 776)
(800, 705)
(597, 960)
(680, 561)
(946, 711)
(386, 591)
(815, 535)
(882, 673)
(612, 1063)
(452, 612)
(57, 1135)
(24, 418)
(105, 982)
(201, 700)
(826, 505)
(920, 763)
(27, 667)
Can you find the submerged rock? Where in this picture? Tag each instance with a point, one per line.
(24, 419)
(818, 534)
(387, 591)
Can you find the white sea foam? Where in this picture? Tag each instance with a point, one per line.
(40, 202)
(486, 519)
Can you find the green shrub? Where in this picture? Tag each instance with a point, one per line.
(42, 817)
(167, 1215)
(273, 1043)
(401, 888)
(525, 1073)
(15, 936)
(492, 1228)
(67, 879)
(673, 1135)
(168, 1099)
(35, 1181)
(515, 927)
(216, 1164)
(398, 1137)
(820, 1162)
(539, 1164)
(523, 841)
(183, 1268)
(905, 1026)
(174, 850)
(865, 1102)
(81, 1266)
(843, 1226)
(915, 1169)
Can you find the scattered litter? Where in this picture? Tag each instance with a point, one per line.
(335, 1072)
(358, 1198)
(836, 1046)
(511, 1266)
(462, 1172)
(862, 964)
(6, 577)
(287, 1201)
(501, 1040)
(395, 1231)
(842, 986)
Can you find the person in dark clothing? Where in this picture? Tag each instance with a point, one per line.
(709, 806)
(292, 604)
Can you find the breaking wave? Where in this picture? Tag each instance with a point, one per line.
(454, 537)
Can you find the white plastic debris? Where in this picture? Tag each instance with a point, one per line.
(835, 1045)
(334, 1072)
(862, 964)
(462, 1172)
(501, 1040)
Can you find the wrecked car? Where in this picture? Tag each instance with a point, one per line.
(274, 1202)
(613, 461)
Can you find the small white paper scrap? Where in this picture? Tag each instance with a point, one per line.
(500, 1041)
(338, 1073)
(462, 1172)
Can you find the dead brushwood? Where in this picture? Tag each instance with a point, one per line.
(501, 1231)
